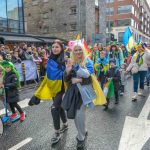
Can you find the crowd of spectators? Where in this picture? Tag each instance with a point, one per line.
(22, 51)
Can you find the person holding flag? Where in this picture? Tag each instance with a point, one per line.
(113, 75)
(83, 90)
(53, 88)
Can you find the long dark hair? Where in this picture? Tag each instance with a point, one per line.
(60, 57)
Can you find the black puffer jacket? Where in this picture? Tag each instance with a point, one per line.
(10, 83)
(115, 75)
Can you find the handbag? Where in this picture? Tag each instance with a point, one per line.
(135, 69)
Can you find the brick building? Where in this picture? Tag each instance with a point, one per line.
(133, 13)
(61, 18)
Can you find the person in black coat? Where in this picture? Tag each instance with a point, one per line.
(11, 84)
(114, 73)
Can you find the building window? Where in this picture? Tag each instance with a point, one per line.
(73, 10)
(120, 37)
(73, 26)
(125, 22)
(109, 11)
(11, 16)
(124, 9)
(110, 24)
(109, 1)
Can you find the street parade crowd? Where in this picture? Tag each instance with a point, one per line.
(77, 77)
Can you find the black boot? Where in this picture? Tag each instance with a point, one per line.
(116, 97)
(106, 107)
(116, 101)
(80, 145)
(56, 138)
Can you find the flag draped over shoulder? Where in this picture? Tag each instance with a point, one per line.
(128, 39)
(52, 82)
(100, 97)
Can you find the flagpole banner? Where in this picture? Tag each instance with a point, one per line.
(30, 69)
(128, 39)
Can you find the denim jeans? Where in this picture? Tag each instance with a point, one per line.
(139, 77)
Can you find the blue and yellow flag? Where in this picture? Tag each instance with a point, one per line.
(52, 82)
(100, 97)
(128, 39)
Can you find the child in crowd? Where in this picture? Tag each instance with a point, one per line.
(123, 78)
(102, 64)
(11, 84)
(114, 74)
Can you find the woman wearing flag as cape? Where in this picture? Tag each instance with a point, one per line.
(83, 90)
(52, 88)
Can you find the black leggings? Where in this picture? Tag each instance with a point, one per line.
(15, 105)
(57, 113)
(116, 96)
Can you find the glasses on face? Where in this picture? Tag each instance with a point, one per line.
(78, 51)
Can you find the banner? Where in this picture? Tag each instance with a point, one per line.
(30, 69)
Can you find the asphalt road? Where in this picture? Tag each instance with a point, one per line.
(104, 127)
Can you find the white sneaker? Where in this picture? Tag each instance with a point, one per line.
(141, 93)
(122, 93)
(134, 97)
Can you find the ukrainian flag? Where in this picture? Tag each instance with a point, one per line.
(52, 82)
(100, 97)
(128, 39)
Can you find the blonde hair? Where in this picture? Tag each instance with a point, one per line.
(81, 62)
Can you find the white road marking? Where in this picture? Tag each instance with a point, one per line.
(23, 104)
(136, 131)
(135, 134)
(146, 110)
(21, 144)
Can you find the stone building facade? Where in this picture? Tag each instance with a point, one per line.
(60, 18)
